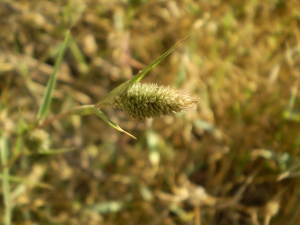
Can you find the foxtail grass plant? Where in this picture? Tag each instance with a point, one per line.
(138, 100)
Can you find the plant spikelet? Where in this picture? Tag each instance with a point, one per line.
(148, 100)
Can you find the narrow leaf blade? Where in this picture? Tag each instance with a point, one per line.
(44, 108)
(4, 150)
(110, 97)
(110, 123)
(142, 73)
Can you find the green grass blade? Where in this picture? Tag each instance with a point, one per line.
(110, 123)
(27, 182)
(142, 73)
(6, 192)
(44, 108)
(81, 62)
(55, 151)
(83, 110)
(110, 97)
(91, 109)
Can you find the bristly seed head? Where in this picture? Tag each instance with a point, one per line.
(148, 100)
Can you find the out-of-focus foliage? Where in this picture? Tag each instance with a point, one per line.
(232, 160)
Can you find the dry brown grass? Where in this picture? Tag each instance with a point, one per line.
(233, 160)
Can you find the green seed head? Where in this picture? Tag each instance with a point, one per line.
(148, 100)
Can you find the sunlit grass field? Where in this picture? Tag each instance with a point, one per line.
(234, 159)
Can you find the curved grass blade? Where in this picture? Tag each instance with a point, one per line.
(44, 108)
(83, 110)
(91, 109)
(110, 123)
(110, 97)
(86, 110)
(16, 179)
(5, 186)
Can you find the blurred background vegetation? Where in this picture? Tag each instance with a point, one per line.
(232, 160)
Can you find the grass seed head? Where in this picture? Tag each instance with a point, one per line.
(148, 100)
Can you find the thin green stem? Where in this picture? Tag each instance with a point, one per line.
(6, 192)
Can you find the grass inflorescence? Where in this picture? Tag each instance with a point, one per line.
(233, 159)
(149, 100)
